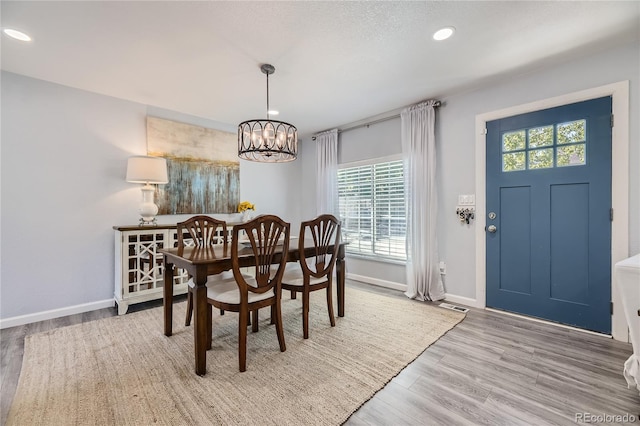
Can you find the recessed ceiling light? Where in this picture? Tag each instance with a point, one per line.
(18, 35)
(273, 112)
(443, 33)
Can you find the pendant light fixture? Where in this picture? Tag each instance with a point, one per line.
(267, 141)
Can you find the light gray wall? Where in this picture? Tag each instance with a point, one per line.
(64, 154)
(374, 141)
(307, 179)
(455, 138)
(63, 164)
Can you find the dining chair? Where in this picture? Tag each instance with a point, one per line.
(203, 231)
(316, 271)
(265, 240)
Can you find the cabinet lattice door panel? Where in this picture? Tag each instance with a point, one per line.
(139, 268)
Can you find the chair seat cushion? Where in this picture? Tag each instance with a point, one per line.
(227, 292)
(294, 277)
(217, 278)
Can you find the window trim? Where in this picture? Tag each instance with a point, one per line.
(370, 161)
(374, 258)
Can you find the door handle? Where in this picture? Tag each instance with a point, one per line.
(492, 228)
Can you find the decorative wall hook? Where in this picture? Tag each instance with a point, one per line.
(465, 214)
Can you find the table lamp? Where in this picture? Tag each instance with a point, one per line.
(147, 170)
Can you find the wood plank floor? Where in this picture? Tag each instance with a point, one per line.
(491, 369)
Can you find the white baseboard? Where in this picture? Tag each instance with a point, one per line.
(55, 313)
(462, 300)
(376, 281)
(403, 287)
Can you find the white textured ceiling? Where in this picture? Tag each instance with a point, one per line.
(336, 62)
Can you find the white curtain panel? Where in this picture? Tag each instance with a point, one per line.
(327, 173)
(419, 155)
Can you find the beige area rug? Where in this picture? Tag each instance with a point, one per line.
(124, 371)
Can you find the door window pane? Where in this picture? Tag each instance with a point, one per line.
(572, 131)
(571, 155)
(541, 136)
(513, 141)
(541, 158)
(513, 161)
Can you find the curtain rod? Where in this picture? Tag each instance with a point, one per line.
(369, 123)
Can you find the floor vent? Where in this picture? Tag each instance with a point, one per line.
(454, 307)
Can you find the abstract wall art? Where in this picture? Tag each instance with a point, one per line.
(203, 168)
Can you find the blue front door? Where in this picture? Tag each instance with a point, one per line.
(548, 239)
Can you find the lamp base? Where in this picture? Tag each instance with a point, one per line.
(152, 222)
(148, 210)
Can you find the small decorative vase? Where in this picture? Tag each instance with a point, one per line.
(247, 215)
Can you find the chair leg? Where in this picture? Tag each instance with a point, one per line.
(293, 294)
(305, 313)
(221, 311)
(209, 325)
(279, 328)
(242, 339)
(187, 321)
(332, 319)
(254, 320)
(273, 314)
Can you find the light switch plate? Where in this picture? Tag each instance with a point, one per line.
(467, 200)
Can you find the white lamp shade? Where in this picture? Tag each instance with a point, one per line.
(145, 169)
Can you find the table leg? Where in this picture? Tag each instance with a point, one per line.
(168, 298)
(200, 328)
(340, 285)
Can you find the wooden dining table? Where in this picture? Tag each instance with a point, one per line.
(200, 262)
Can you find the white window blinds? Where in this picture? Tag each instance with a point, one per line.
(372, 209)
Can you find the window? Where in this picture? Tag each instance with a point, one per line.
(545, 147)
(372, 209)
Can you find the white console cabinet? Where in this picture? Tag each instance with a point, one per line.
(139, 270)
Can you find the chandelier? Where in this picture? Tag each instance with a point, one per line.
(267, 141)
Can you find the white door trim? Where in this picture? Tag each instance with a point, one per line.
(619, 184)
